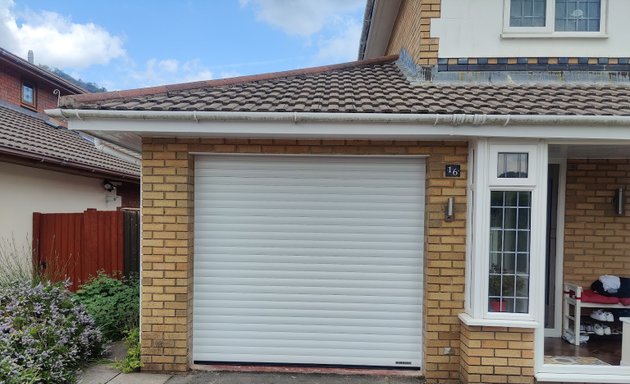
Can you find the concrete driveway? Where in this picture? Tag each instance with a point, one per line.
(288, 378)
(103, 374)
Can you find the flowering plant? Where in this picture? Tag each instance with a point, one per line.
(45, 334)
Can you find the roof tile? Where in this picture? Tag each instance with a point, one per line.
(29, 134)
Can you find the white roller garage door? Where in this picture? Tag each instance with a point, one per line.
(308, 260)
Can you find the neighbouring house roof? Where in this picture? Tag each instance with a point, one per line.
(35, 137)
(37, 72)
(371, 86)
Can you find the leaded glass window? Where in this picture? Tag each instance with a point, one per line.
(510, 229)
(578, 15)
(528, 13)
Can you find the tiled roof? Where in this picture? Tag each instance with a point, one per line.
(373, 86)
(30, 135)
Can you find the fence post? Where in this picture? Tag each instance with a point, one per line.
(35, 244)
(132, 243)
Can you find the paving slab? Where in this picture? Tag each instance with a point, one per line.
(288, 378)
(140, 378)
(98, 374)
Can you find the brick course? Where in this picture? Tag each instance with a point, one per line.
(596, 241)
(167, 245)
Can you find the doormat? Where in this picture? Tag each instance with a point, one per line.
(574, 360)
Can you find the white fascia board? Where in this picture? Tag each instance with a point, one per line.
(399, 130)
(383, 19)
(347, 125)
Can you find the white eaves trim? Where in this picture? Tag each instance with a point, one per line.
(104, 123)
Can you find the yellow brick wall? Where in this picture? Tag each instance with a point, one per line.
(596, 242)
(167, 244)
(412, 31)
(497, 355)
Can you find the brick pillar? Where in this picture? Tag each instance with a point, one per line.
(497, 355)
(167, 250)
(445, 260)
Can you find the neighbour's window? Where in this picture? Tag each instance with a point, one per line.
(528, 13)
(510, 224)
(578, 15)
(28, 94)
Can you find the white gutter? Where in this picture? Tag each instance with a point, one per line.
(326, 117)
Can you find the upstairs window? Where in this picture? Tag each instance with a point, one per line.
(565, 17)
(28, 94)
(528, 13)
(578, 15)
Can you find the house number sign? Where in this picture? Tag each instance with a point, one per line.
(453, 170)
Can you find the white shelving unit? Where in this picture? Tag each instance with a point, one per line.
(572, 309)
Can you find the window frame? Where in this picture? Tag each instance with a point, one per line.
(549, 29)
(478, 258)
(31, 85)
(495, 180)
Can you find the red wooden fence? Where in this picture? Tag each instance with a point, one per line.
(78, 245)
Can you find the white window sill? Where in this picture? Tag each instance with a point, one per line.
(553, 35)
(473, 322)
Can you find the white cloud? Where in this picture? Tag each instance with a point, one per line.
(169, 65)
(341, 46)
(301, 17)
(169, 71)
(55, 39)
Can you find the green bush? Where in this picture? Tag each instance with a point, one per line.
(45, 334)
(132, 361)
(114, 304)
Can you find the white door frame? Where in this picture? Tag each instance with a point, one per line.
(556, 331)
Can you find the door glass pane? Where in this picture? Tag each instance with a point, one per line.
(508, 284)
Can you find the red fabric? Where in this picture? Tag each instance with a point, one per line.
(589, 296)
(624, 300)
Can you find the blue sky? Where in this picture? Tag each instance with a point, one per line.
(124, 44)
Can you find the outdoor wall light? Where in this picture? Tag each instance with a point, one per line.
(449, 209)
(619, 202)
(108, 185)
